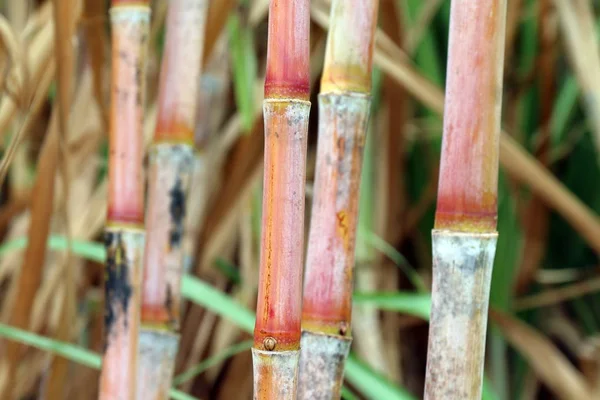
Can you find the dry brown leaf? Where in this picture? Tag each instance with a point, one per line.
(550, 365)
(64, 25)
(31, 273)
(13, 61)
(258, 11)
(589, 360)
(554, 296)
(17, 12)
(93, 20)
(578, 25)
(28, 121)
(513, 21)
(218, 12)
(226, 332)
(38, 57)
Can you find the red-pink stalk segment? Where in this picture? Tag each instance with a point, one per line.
(124, 234)
(464, 238)
(169, 175)
(286, 110)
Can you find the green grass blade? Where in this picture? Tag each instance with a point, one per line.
(390, 251)
(427, 53)
(488, 393)
(364, 251)
(506, 264)
(178, 395)
(67, 350)
(347, 394)
(244, 68)
(70, 351)
(371, 384)
(218, 302)
(92, 251)
(229, 270)
(563, 110)
(417, 305)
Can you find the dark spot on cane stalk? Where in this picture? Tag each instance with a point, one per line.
(117, 285)
(341, 144)
(138, 78)
(269, 343)
(177, 211)
(169, 303)
(108, 239)
(343, 328)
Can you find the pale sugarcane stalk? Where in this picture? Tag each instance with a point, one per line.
(286, 109)
(344, 107)
(169, 175)
(464, 236)
(211, 107)
(213, 90)
(124, 234)
(367, 327)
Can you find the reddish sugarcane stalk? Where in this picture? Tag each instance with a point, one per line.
(344, 106)
(286, 110)
(170, 169)
(124, 234)
(464, 236)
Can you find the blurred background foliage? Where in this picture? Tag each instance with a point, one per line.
(543, 340)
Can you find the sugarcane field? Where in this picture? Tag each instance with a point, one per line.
(299, 199)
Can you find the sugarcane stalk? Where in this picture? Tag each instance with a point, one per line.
(210, 111)
(367, 327)
(344, 106)
(124, 233)
(286, 110)
(464, 235)
(169, 174)
(208, 163)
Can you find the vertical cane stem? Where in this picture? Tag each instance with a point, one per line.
(344, 106)
(124, 234)
(286, 111)
(464, 238)
(169, 176)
